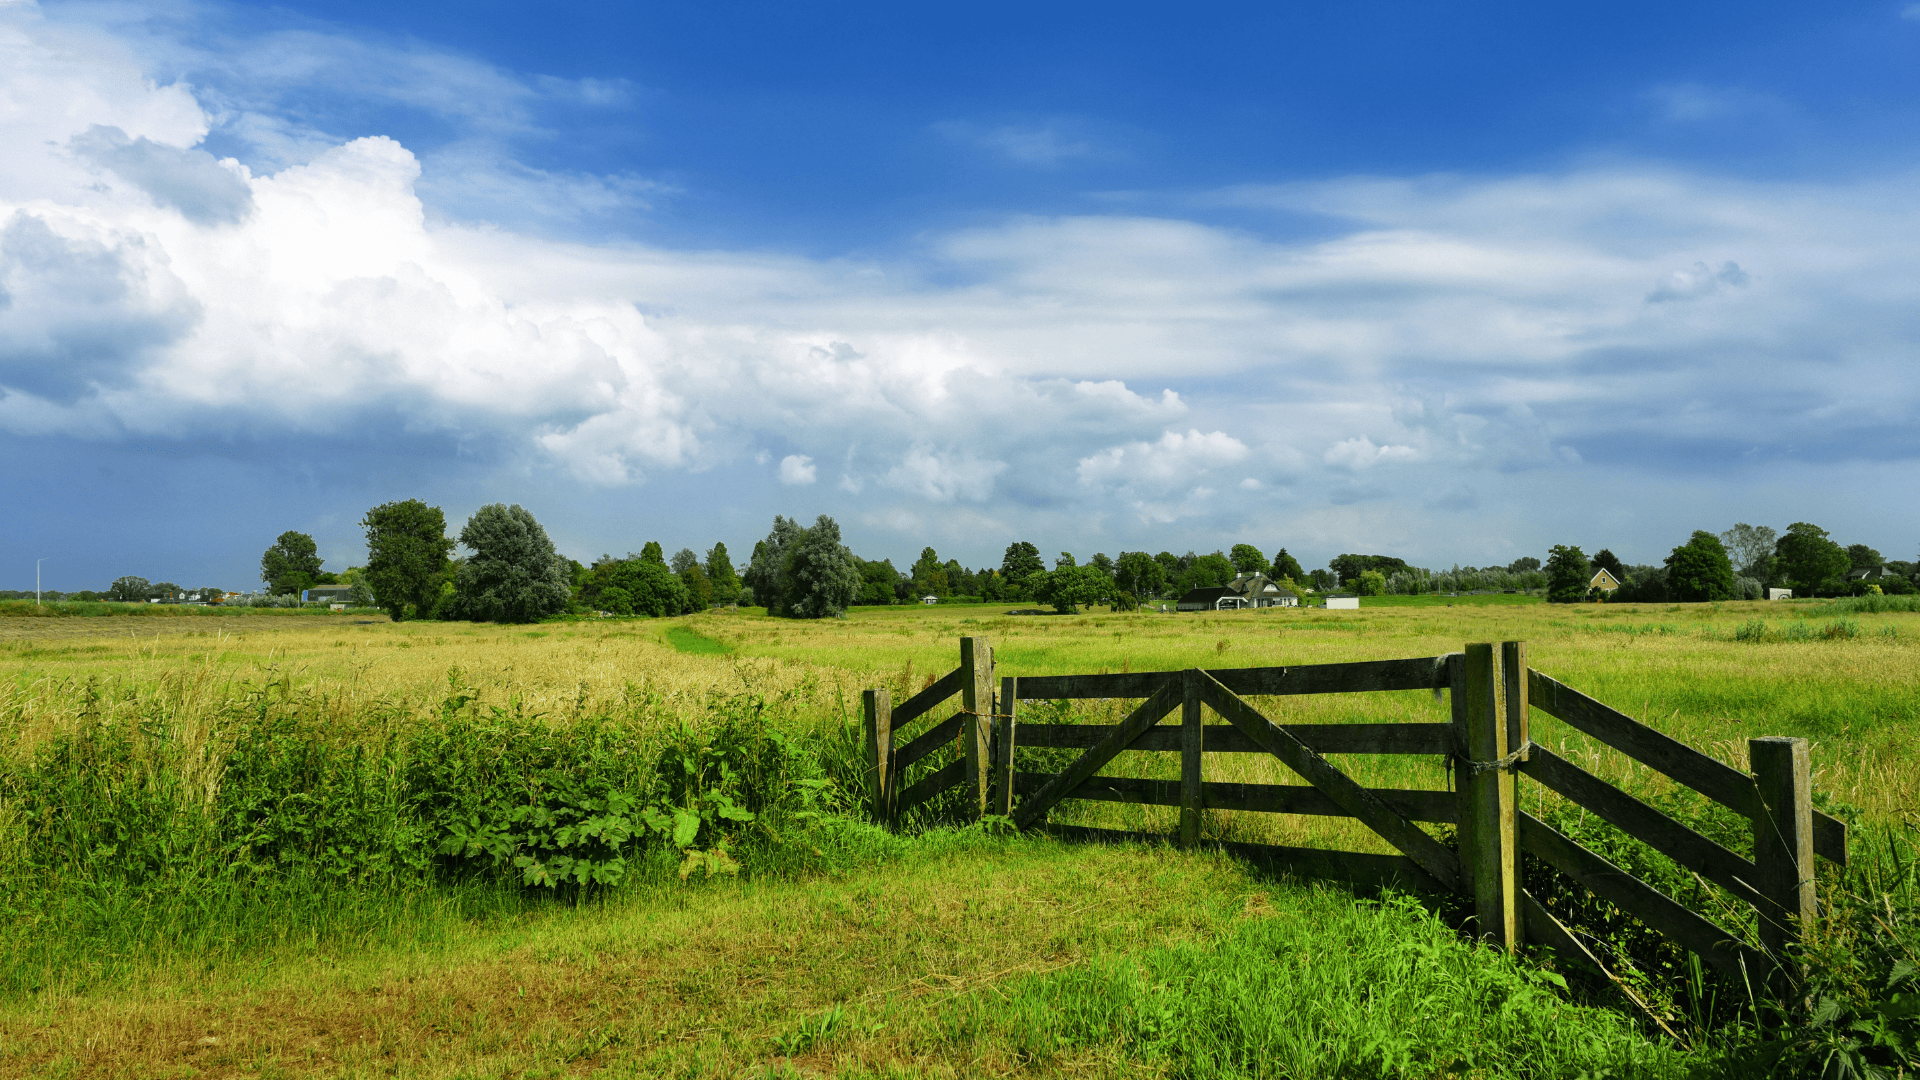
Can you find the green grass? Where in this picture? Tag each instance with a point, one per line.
(237, 833)
(685, 639)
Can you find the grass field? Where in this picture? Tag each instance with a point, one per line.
(836, 950)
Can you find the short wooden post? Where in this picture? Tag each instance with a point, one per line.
(878, 706)
(1783, 839)
(1488, 839)
(1192, 734)
(1002, 793)
(976, 699)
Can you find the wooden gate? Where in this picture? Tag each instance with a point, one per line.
(966, 734)
(1487, 745)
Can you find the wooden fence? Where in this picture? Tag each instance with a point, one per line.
(1492, 692)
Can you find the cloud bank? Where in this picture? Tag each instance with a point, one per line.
(1439, 346)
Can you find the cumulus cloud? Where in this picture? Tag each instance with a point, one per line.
(944, 477)
(797, 470)
(205, 191)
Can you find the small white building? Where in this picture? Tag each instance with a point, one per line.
(929, 599)
(1343, 603)
(1779, 594)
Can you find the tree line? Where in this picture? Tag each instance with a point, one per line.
(1739, 564)
(512, 573)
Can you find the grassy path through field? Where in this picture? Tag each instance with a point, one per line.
(961, 955)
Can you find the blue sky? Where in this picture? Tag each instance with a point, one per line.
(1454, 284)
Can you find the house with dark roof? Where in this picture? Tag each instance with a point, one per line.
(1244, 591)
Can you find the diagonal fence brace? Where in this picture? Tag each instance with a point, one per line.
(1424, 850)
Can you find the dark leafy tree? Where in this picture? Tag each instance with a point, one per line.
(130, 590)
(962, 581)
(1750, 547)
(699, 589)
(1864, 558)
(1247, 559)
(767, 572)
(1139, 574)
(1322, 580)
(1065, 559)
(513, 575)
(1569, 575)
(1699, 570)
(1348, 568)
(1286, 566)
(1372, 583)
(1102, 563)
(726, 583)
(1069, 587)
(1020, 560)
(1809, 562)
(823, 576)
(1608, 561)
(683, 559)
(651, 588)
(878, 582)
(1206, 572)
(291, 564)
(930, 577)
(1523, 565)
(407, 549)
(652, 552)
(1170, 566)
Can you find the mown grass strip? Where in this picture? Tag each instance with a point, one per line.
(687, 640)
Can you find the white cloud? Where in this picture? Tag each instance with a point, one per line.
(1354, 455)
(797, 469)
(1053, 370)
(944, 477)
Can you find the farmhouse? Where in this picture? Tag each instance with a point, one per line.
(1603, 581)
(1244, 591)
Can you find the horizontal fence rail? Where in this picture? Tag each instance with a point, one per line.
(1486, 746)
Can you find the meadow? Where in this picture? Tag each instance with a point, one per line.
(245, 845)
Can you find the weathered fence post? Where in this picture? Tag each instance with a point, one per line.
(1783, 839)
(878, 705)
(1192, 732)
(976, 699)
(1002, 794)
(1488, 838)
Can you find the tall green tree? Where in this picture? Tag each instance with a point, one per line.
(1247, 559)
(1569, 575)
(1750, 547)
(726, 583)
(699, 588)
(653, 553)
(291, 564)
(1021, 560)
(1068, 587)
(1286, 566)
(929, 576)
(823, 576)
(1139, 574)
(513, 575)
(407, 549)
(766, 574)
(683, 559)
(1809, 562)
(1699, 569)
(130, 590)
(1102, 563)
(878, 582)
